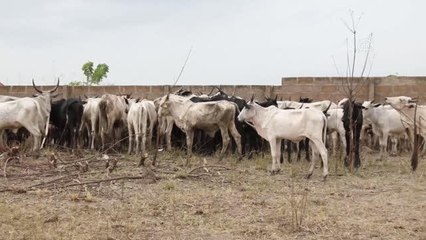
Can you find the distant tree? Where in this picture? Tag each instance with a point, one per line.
(93, 76)
(99, 73)
(88, 71)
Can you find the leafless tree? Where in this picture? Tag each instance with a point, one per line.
(352, 85)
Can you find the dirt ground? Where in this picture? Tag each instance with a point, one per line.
(208, 199)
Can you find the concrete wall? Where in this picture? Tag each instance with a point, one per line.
(318, 88)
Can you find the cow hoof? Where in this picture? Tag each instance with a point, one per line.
(308, 176)
(324, 179)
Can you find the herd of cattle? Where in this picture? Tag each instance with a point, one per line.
(182, 118)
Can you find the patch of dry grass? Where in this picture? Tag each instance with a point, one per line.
(383, 200)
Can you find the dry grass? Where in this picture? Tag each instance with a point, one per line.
(384, 200)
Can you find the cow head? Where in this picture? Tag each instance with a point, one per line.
(163, 109)
(47, 93)
(400, 102)
(248, 111)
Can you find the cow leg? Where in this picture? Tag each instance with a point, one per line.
(237, 138)
(150, 134)
(314, 156)
(274, 151)
(289, 150)
(137, 140)
(343, 141)
(383, 144)
(394, 142)
(347, 138)
(299, 152)
(37, 137)
(306, 145)
(143, 135)
(189, 141)
(320, 148)
(357, 131)
(278, 154)
(334, 137)
(225, 141)
(169, 135)
(129, 151)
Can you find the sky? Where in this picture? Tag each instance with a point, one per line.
(233, 41)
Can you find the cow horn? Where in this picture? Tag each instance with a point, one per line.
(252, 98)
(85, 96)
(38, 90)
(220, 91)
(210, 92)
(329, 105)
(276, 97)
(54, 89)
(372, 100)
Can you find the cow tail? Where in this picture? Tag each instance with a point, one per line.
(141, 120)
(103, 121)
(324, 130)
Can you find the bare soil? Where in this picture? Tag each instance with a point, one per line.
(208, 199)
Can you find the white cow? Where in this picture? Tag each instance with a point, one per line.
(335, 127)
(207, 116)
(112, 117)
(406, 107)
(141, 116)
(275, 124)
(30, 113)
(90, 119)
(137, 119)
(151, 118)
(386, 122)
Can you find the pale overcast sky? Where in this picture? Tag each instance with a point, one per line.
(234, 41)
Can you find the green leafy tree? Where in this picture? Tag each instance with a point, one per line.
(99, 73)
(88, 71)
(93, 76)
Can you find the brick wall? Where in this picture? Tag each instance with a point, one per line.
(318, 88)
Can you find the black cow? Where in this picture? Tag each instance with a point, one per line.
(356, 130)
(65, 116)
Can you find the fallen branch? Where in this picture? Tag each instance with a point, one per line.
(208, 166)
(108, 180)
